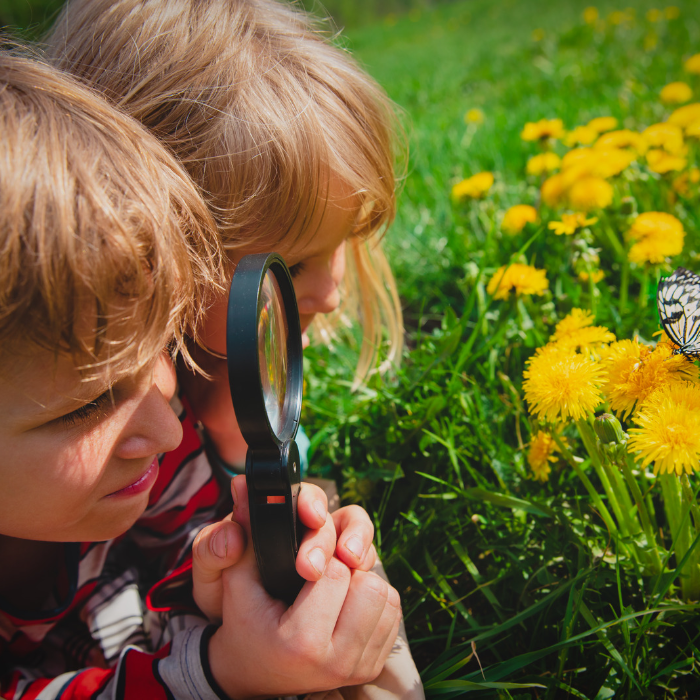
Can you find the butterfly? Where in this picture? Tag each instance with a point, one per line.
(678, 301)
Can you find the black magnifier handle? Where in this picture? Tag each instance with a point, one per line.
(264, 349)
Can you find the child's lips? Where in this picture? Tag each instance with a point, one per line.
(143, 483)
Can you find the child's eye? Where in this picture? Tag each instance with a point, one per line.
(296, 270)
(89, 410)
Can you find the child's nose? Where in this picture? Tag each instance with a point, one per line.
(320, 296)
(318, 291)
(153, 428)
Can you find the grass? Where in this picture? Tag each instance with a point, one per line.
(492, 564)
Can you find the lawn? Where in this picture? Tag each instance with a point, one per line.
(582, 582)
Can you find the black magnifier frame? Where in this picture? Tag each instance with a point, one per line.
(265, 370)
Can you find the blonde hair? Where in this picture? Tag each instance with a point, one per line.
(104, 241)
(262, 109)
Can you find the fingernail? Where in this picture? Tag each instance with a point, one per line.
(354, 545)
(219, 543)
(320, 508)
(318, 560)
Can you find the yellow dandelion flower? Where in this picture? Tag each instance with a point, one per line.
(602, 124)
(474, 116)
(590, 15)
(654, 223)
(560, 385)
(651, 41)
(473, 187)
(658, 161)
(542, 130)
(672, 12)
(622, 138)
(676, 93)
(543, 163)
(693, 130)
(576, 331)
(692, 65)
(687, 114)
(682, 182)
(590, 193)
(597, 276)
(522, 280)
(570, 223)
(580, 135)
(669, 430)
(540, 454)
(653, 15)
(666, 136)
(553, 191)
(633, 371)
(617, 17)
(655, 250)
(577, 156)
(517, 217)
(574, 321)
(612, 161)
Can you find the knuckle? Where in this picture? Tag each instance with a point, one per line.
(337, 571)
(393, 598)
(372, 585)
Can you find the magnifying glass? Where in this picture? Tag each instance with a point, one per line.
(265, 369)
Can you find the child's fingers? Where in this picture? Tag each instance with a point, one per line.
(355, 532)
(215, 548)
(312, 506)
(318, 543)
(358, 623)
(241, 511)
(320, 602)
(383, 639)
(315, 551)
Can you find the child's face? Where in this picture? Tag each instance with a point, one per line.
(317, 263)
(78, 458)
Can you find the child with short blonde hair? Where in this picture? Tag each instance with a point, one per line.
(105, 250)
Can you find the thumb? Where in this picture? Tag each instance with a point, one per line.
(215, 548)
(241, 509)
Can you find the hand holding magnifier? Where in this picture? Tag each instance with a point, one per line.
(265, 369)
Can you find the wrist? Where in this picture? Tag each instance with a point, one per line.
(221, 673)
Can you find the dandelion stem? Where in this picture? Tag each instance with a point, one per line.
(588, 438)
(643, 289)
(643, 514)
(595, 496)
(624, 285)
(694, 561)
(680, 530)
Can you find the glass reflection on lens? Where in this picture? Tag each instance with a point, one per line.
(272, 351)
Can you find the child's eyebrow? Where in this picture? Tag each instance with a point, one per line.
(61, 403)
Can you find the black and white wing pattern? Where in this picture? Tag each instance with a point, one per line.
(678, 300)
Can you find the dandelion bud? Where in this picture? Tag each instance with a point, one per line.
(609, 430)
(628, 206)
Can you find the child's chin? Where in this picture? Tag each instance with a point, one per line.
(115, 521)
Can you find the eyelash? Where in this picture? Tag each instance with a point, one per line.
(89, 410)
(296, 270)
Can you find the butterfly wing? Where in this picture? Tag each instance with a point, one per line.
(678, 301)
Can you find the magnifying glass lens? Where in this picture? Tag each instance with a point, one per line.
(272, 350)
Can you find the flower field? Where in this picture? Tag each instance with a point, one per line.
(532, 467)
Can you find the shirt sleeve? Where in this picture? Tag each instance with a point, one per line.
(179, 671)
